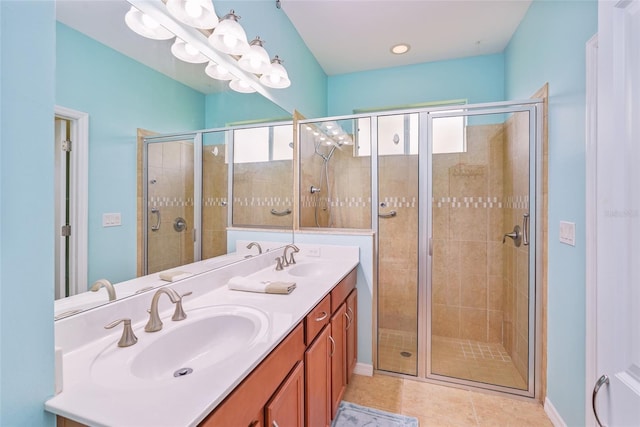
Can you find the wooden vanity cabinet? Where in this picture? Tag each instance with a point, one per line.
(286, 407)
(245, 406)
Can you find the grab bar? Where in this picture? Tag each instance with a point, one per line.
(157, 226)
(280, 213)
(388, 215)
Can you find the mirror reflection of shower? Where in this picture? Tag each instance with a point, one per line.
(328, 136)
(335, 176)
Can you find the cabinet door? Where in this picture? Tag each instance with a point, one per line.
(338, 358)
(286, 407)
(317, 367)
(352, 332)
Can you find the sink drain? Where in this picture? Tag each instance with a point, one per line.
(182, 372)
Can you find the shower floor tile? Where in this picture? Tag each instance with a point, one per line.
(397, 351)
(456, 358)
(475, 361)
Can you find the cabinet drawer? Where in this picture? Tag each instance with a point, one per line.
(342, 289)
(315, 321)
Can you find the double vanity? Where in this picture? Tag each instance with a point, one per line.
(238, 358)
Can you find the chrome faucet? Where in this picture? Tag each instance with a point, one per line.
(155, 324)
(104, 283)
(128, 338)
(251, 245)
(291, 260)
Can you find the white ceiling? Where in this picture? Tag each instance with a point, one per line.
(344, 35)
(355, 35)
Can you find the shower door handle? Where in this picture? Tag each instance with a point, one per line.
(525, 229)
(280, 213)
(388, 215)
(156, 227)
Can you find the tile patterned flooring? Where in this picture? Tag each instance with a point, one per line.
(470, 360)
(440, 406)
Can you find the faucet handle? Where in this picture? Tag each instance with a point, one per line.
(179, 313)
(128, 338)
(279, 263)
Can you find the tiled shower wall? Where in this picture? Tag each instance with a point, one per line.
(171, 166)
(398, 247)
(468, 213)
(214, 203)
(259, 188)
(349, 202)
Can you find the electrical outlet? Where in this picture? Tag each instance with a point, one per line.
(568, 233)
(313, 251)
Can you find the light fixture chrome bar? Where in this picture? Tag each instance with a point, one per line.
(156, 10)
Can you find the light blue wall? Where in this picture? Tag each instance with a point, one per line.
(476, 79)
(549, 46)
(120, 96)
(26, 214)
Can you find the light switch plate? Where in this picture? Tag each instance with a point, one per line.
(111, 219)
(568, 233)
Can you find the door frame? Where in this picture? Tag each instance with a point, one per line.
(591, 342)
(79, 189)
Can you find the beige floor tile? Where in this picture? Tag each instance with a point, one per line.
(436, 405)
(440, 406)
(502, 411)
(380, 392)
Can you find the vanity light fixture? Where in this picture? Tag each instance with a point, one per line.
(187, 53)
(256, 59)
(196, 13)
(241, 86)
(218, 72)
(229, 36)
(277, 77)
(400, 49)
(146, 26)
(246, 66)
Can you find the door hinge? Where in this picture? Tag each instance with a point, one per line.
(65, 230)
(66, 145)
(194, 235)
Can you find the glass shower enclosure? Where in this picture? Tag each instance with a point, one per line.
(452, 194)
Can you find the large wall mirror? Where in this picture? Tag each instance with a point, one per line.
(126, 83)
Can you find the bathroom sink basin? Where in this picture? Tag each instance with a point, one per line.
(208, 337)
(311, 269)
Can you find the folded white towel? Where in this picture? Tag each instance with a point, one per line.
(238, 283)
(174, 275)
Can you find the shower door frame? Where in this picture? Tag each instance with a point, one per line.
(425, 232)
(196, 137)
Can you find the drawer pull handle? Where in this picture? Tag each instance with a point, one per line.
(275, 424)
(333, 346)
(322, 316)
(254, 423)
(348, 320)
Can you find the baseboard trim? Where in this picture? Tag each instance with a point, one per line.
(364, 369)
(553, 415)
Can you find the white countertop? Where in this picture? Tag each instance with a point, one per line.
(96, 399)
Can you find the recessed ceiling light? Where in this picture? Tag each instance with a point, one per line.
(401, 48)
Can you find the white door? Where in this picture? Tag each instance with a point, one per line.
(617, 403)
